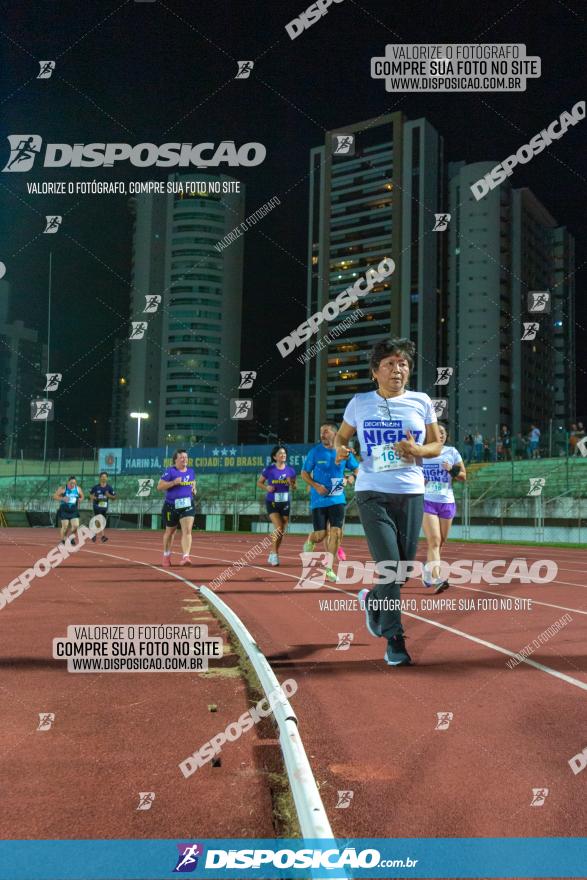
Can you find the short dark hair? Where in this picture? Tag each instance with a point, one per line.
(71, 478)
(388, 347)
(445, 426)
(178, 452)
(102, 474)
(276, 449)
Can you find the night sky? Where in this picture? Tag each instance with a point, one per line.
(164, 71)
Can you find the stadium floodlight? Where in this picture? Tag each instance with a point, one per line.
(139, 416)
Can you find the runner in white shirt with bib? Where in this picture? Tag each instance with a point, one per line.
(440, 507)
(396, 429)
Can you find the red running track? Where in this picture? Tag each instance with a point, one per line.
(367, 728)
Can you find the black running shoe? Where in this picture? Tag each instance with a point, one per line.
(103, 539)
(442, 587)
(396, 654)
(93, 539)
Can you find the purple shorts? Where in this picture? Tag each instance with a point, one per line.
(439, 508)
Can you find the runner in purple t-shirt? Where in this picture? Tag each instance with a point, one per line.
(278, 480)
(179, 484)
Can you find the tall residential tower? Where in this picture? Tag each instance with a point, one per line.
(378, 203)
(186, 368)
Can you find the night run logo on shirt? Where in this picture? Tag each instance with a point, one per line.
(376, 432)
(435, 473)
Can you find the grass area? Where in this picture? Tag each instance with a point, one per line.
(285, 819)
(569, 546)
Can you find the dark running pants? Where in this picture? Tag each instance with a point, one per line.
(392, 526)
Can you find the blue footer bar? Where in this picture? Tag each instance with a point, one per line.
(529, 857)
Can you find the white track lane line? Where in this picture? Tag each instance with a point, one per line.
(560, 675)
(319, 584)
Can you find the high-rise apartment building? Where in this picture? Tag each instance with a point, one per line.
(23, 362)
(186, 368)
(502, 248)
(378, 203)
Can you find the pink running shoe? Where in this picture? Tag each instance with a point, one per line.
(186, 561)
(167, 562)
(341, 554)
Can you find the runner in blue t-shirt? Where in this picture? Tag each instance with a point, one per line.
(179, 484)
(279, 481)
(70, 497)
(100, 495)
(327, 500)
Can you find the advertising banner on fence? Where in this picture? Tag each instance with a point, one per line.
(205, 458)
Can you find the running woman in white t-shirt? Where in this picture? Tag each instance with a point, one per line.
(439, 506)
(396, 429)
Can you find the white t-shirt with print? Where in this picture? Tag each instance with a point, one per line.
(438, 480)
(379, 423)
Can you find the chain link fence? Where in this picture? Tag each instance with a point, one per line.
(531, 499)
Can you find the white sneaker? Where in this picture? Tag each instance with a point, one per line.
(273, 559)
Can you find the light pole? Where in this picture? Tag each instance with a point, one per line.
(48, 350)
(139, 416)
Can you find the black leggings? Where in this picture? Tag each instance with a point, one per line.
(392, 526)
